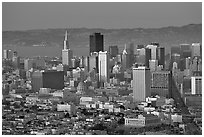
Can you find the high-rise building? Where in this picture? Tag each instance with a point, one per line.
(16, 60)
(125, 59)
(67, 53)
(47, 79)
(153, 65)
(93, 61)
(196, 85)
(7, 54)
(154, 54)
(196, 49)
(119, 58)
(141, 83)
(96, 42)
(131, 53)
(175, 50)
(185, 50)
(161, 56)
(66, 42)
(187, 63)
(175, 58)
(86, 63)
(103, 65)
(147, 57)
(113, 51)
(81, 62)
(28, 64)
(161, 82)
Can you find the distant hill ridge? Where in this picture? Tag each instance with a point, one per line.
(166, 36)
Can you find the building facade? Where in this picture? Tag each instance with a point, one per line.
(141, 83)
(96, 42)
(103, 62)
(196, 85)
(47, 79)
(161, 82)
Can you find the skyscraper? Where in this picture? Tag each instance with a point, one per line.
(67, 53)
(185, 50)
(103, 62)
(131, 51)
(154, 54)
(113, 50)
(28, 64)
(125, 59)
(96, 42)
(93, 61)
(196, 49)
(161, 56)
(16, 60)
(161, 82)
(196, 85)
(7, 54)
(153, 65)
(175, 50)
(147, 57)
(141, 83)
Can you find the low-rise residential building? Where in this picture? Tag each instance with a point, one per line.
(142, 120)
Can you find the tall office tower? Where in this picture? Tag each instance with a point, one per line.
(196, 64)
(125, 59)
(86, 64)
(66, 42)
(185, 50)
(154, 54)
(81, 62)
(175, 50)
(161, 56)
(141, 83)
(161, 82)
(196, 85)
(199, 64)
(153, 65)
(147, 57)
(93, 61)
(175, 58)
(16, 60)
(28, 64)
(47, 79)
(119, 58)
(96, 43)
(113, 51)
(187, 63)
(73, 63)
(103, 65)
(196, 49)
(7, 54)
(131, 53)
(67, 53)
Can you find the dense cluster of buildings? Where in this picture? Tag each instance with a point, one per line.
(108, 88)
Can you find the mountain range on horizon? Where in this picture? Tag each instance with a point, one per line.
(79, 37)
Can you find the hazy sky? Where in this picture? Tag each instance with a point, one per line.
(23, 16)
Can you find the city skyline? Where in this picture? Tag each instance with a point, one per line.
(25, 16)
(128, 82)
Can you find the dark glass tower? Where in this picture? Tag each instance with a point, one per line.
(161, 56)
(113, 50)
(96, 42)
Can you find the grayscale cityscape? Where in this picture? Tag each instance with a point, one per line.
(102, 68)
